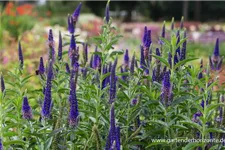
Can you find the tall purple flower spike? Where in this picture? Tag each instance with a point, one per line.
(20, 55)
(67, 68)
(178, 41)
(200, 75)
(132, 65)
(183, 50)
(51, 44)
(76, 13)
(1, 145)
(97, 60)
(166, 91)
(26, 109)
(216, 60)
(60, 46)
(112, 136)
(107, 13)
(2, 84)
(112, 89)
(46, 107)
(163, 30)
(41, 69)
(126, 59)
(118, 138)
(74, 113)
(142, 58)
(70, 23)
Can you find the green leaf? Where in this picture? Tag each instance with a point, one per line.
(55, 132)
(191, 146)
(162, 60)
(159, 142)
(113, 52)
(193, 124)
(184, 61)
(215, 130)
(19, 142)
(159, 122)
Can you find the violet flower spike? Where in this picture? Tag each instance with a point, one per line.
(132, 65)
(67, 68)
(2, 84)
(216, 60)
(118, 138)
(51, 44)
(97, 60)
(200, 75)
(163, 30)
(46, 107)
(178, 41)
(76, 14)
(112, 89)
(126, 59)
(26, 109)
(60, 46)
(107, 17)
(70, 23)
(91, 61)
(72, 46)
(41, 69)
(74, 113)
(142, 58)
(112, 125)
(183, 50)
(20, 52)
(1, 145)
(166, 91)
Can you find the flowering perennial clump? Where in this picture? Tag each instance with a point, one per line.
(157, 93)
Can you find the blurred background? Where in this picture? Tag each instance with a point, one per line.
(30, 21)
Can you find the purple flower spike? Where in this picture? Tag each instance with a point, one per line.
(112, 125)
(97, 60)
(112, 90)
(178, 41)
(67, 68)
(146, 42)
(26, 109)
(122, 71)
(51, 44)
(157, 52)
(117, 138)
(107, 13)
(41, 69)
(76, 13)
(216, 60)
(20, 55)
(60, 46)
(200, 75)
(2, 84)
(74, 113)
(46, 107)
(91, 61)
(126, 59)
(183, 50)
(72, 45)
(70, 23)
(166, 91)
(170, 59)
(1, 145)
(142, 59)
(163, 30)
(132, 65)
(85, 52)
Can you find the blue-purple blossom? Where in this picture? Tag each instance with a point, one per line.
(134, 101)
(97, 60)
(20, 55)
(216, 60)
(60, 46)
(91, 61)
(107, 13)
(126, 59)
(26, 109)
(157, 52)
(117, 138)
(67, 68)
(200, 75)
(74, 113)
(76, 13)
(46, 107)
(2, 84)
(72, 46)
(142, 58)
(1, 145)
(51, 44)
(196, 116)
(41, 69)
(85, 52)
(112, 89)
(166, 91)
(146, 42)
(73, 53)
(132, 65)
(105, 82)
(183, 50)
(70, 23)
(170, 59)
(122, 71)
(178, 41)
